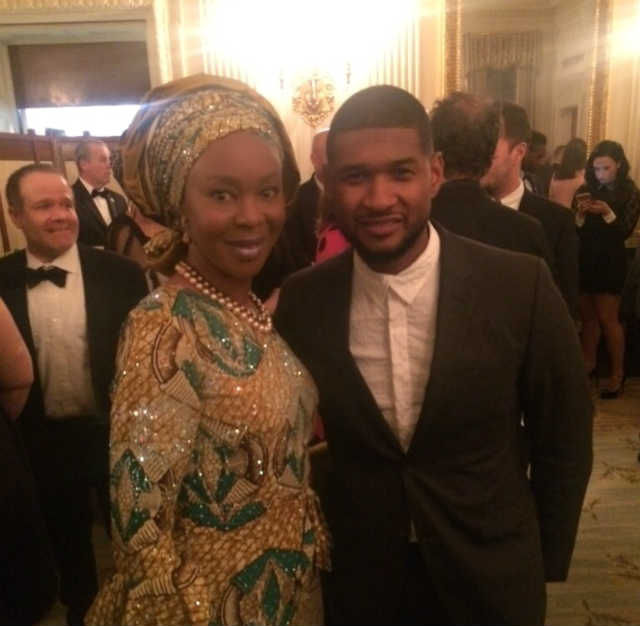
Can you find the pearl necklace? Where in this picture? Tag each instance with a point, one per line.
(260, 321)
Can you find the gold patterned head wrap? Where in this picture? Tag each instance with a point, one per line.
(173, 127)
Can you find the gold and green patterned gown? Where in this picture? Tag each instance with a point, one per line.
(213, 519)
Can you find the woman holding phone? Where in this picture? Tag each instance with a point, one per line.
(607, 208)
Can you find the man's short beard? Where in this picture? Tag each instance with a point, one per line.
(374, 259)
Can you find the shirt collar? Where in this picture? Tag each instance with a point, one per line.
(514, 198)
(87, 186)
(319, 185)
(406, 284)
(68, 261)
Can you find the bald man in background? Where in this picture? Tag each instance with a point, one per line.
(297, 245)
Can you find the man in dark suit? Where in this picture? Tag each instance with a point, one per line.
(296, 247)
(428, 349)
(504, 182)
(537, 169)
(465, 132)
(96, 205)
(69, 302)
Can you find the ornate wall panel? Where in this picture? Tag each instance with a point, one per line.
(598, 94)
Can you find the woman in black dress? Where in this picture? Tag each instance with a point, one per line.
(607, 208)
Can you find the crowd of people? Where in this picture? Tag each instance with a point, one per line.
(407, 440)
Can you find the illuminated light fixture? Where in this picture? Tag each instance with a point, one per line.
(275, 43)
(314, 100)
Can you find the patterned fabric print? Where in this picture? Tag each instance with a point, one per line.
(268, 590)
(213, 519)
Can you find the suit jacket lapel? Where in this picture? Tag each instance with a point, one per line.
(457, 300)
(111, 203)
(372, 423)
(97, 319)
(16, 300)
(15, 297)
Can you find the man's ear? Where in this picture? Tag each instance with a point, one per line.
(435, 164)
(520, 150)
(16, 217)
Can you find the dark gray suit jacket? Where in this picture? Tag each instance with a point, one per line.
(560, 230)
(505, 348)
(93, 229)
(296, 246)
(113, 285)
(465, 208)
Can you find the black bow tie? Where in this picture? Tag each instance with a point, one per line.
(99, 192)
(56, 275)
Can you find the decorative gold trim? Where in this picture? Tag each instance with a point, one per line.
(24, 6)
(314, 99)
(599, 88)
(453, 46)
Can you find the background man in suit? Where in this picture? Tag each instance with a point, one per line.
(427, 350)
(308, 199)
(536, 165)
(465, 132)
(69, 302)
(296, 247)
(96, 205)
(504, 182)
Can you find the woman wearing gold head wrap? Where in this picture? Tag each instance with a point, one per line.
(212, 516)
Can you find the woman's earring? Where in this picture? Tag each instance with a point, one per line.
(185, 235)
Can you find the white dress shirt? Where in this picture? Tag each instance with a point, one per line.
(100, 202)
(392, 334)
(513, 199)
(58, 321)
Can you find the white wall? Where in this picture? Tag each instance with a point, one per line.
(574, 24)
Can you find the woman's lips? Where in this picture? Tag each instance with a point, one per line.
(248, 249)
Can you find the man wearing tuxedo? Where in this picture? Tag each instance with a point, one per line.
(428, 349)
(465, 132)
(69, 302)
(96, 205)
(504, 182)
(307, 202)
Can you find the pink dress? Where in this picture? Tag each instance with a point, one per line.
(331, 242)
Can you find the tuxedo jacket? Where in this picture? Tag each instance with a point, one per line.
(93, 229)
(113, 285)
(296, 247)
(505, 348)
(562, 237)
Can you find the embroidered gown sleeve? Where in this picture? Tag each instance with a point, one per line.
(154, 421)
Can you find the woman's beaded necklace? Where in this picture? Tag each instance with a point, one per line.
(260, 320)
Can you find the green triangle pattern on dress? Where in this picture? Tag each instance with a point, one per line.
(129, 468)
(271, 598)
(289, 560)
